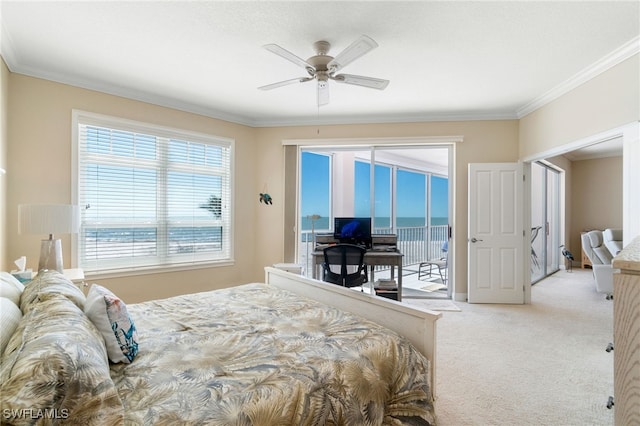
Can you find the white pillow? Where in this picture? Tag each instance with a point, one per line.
(10, 287)
(5, 276)
(10, 316)
(10, 291)
(110, 316)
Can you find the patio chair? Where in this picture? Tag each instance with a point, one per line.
(426, 269)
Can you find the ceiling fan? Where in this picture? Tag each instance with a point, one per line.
(322, 67)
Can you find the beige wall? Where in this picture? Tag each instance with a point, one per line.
(605, 102)
(610, 100)
(4, 103)
(596, 196)
(39, 148)
(484, 141)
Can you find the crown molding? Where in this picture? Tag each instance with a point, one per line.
(624, 52)
(132, 94)
(137, 95)
(389, 119)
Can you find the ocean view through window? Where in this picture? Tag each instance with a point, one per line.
(150, 196)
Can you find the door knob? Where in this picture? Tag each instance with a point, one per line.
(475, 240)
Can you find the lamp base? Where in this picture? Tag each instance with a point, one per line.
(50, 255)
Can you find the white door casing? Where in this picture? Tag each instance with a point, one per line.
(496, 233)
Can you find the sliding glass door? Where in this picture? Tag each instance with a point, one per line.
(405, 190)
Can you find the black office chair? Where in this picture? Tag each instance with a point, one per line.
(344, 265)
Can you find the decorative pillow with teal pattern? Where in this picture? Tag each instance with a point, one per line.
(110, 316)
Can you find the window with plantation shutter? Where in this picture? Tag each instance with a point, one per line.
(150, 196)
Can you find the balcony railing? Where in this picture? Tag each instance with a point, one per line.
(417, 244)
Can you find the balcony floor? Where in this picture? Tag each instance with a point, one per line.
(412, 288)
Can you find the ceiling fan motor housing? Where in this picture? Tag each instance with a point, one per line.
(320, 62)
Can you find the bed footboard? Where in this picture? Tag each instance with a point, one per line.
(417, 325)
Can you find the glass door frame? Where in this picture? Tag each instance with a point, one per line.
(545, 253)
(373, 148)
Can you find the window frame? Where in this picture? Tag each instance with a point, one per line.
(170, 261)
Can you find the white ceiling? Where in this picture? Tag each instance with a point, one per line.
(446, 59)
(610, 148)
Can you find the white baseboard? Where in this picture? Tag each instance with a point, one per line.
(460, 297)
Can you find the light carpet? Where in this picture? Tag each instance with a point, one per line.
(433, 304)
(538, 364)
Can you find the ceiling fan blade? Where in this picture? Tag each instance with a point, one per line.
(285, 83)
(323, 93)
(360, 80)
(284, 53)
(355, 50)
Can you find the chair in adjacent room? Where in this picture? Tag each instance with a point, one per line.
(344, 265)
(612, 239)
(593, 245)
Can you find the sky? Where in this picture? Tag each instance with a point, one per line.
(410, 197)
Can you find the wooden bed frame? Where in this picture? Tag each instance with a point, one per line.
(417, 325)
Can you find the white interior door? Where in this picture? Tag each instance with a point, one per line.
(496, 233)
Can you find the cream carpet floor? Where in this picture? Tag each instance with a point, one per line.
(432, 304)
(538, 364)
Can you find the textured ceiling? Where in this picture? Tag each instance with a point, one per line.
(446, 60)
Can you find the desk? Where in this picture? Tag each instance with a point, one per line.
(372, 258)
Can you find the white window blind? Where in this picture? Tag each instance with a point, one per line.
(151, 196)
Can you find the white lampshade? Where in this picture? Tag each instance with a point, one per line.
(49, 219)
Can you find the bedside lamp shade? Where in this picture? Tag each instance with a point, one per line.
(49, 219)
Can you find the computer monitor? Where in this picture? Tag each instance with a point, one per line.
(354, 230)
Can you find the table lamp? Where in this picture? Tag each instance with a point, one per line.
(49, 219)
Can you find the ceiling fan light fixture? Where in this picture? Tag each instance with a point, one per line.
(322, 77)
(322, 67)
(322, 93)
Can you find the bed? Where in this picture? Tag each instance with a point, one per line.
(287, 351)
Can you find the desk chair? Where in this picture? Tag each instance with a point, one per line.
(344, 265)
(425, 269)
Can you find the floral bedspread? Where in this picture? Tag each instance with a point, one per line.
(258, 355)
